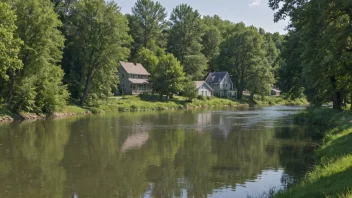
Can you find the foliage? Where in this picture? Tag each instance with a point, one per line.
(93, 36)
(147, 24)
(190, 90)
(185, 40)
(9, 44)
(320, 30)
(170, 78)
(242, 54)
(97, 41)
(148, 59)
(38, 85)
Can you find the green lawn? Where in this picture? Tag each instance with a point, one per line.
(152, 102)
(332, 176)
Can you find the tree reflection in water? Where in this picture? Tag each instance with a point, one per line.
(169, 154)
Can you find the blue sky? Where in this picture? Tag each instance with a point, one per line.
(251, 12)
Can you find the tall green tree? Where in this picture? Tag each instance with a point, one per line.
(324, 29)
(150, 20)
(242, 54)
(148, 59)
(169, 79)
(37, 86)
(211, 41)
(185, 40)
(216, 30)
(9, 46)
(98, 40)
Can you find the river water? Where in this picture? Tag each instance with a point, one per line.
(196, 153)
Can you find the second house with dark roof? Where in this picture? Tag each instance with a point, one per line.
(221, 84)
(133, 79)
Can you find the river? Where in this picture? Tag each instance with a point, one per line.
(224, 152)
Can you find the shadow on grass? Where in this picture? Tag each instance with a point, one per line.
(157, 98)
(336, 185)
(337, 148)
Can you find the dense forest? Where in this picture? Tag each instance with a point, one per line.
(318, 50)
(57, 51)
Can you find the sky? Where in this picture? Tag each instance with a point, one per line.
(251, 12)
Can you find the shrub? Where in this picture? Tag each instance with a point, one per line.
(201, 97)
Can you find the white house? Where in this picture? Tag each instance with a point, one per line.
(203, 88)
(221, 84)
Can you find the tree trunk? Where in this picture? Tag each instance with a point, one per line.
(252, 96)
(336, 98)
(86, 90)
(239, 95)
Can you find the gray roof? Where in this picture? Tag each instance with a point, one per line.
(215, 77)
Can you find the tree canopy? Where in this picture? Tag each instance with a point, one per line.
(320, 39)
(54, 51)
(97, 41)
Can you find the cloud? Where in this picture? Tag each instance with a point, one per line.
(255, 3)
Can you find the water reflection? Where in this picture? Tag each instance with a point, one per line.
(201, 153)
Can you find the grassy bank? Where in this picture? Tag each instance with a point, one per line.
(332, 176)
(151, 102)
(282, 100)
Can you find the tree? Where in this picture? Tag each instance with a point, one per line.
(211, 41)
(9, 45)
(98, 40)
(185, 40)
(147, 24)
(324, 39)
(190, 91)
(169, 76)
(37, 86)
(290, 79)
(242, 54)
(148, 59)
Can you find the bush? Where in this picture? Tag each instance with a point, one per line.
(190, 91)
(209, 97)
(201, 97)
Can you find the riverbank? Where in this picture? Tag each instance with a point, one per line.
(125, 104)
(332, 175)
(147, 103)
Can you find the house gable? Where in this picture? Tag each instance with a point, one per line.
(227, 80)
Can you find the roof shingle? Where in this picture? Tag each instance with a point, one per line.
(215, 77)
(133, 68)
(200, 83)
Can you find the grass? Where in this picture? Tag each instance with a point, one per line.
(281, 100)
(73, 109)
(152, 102)
(332, 176)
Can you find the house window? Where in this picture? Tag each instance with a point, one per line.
(123, 75)
(226, 85)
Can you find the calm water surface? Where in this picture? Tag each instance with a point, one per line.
(200, 153)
